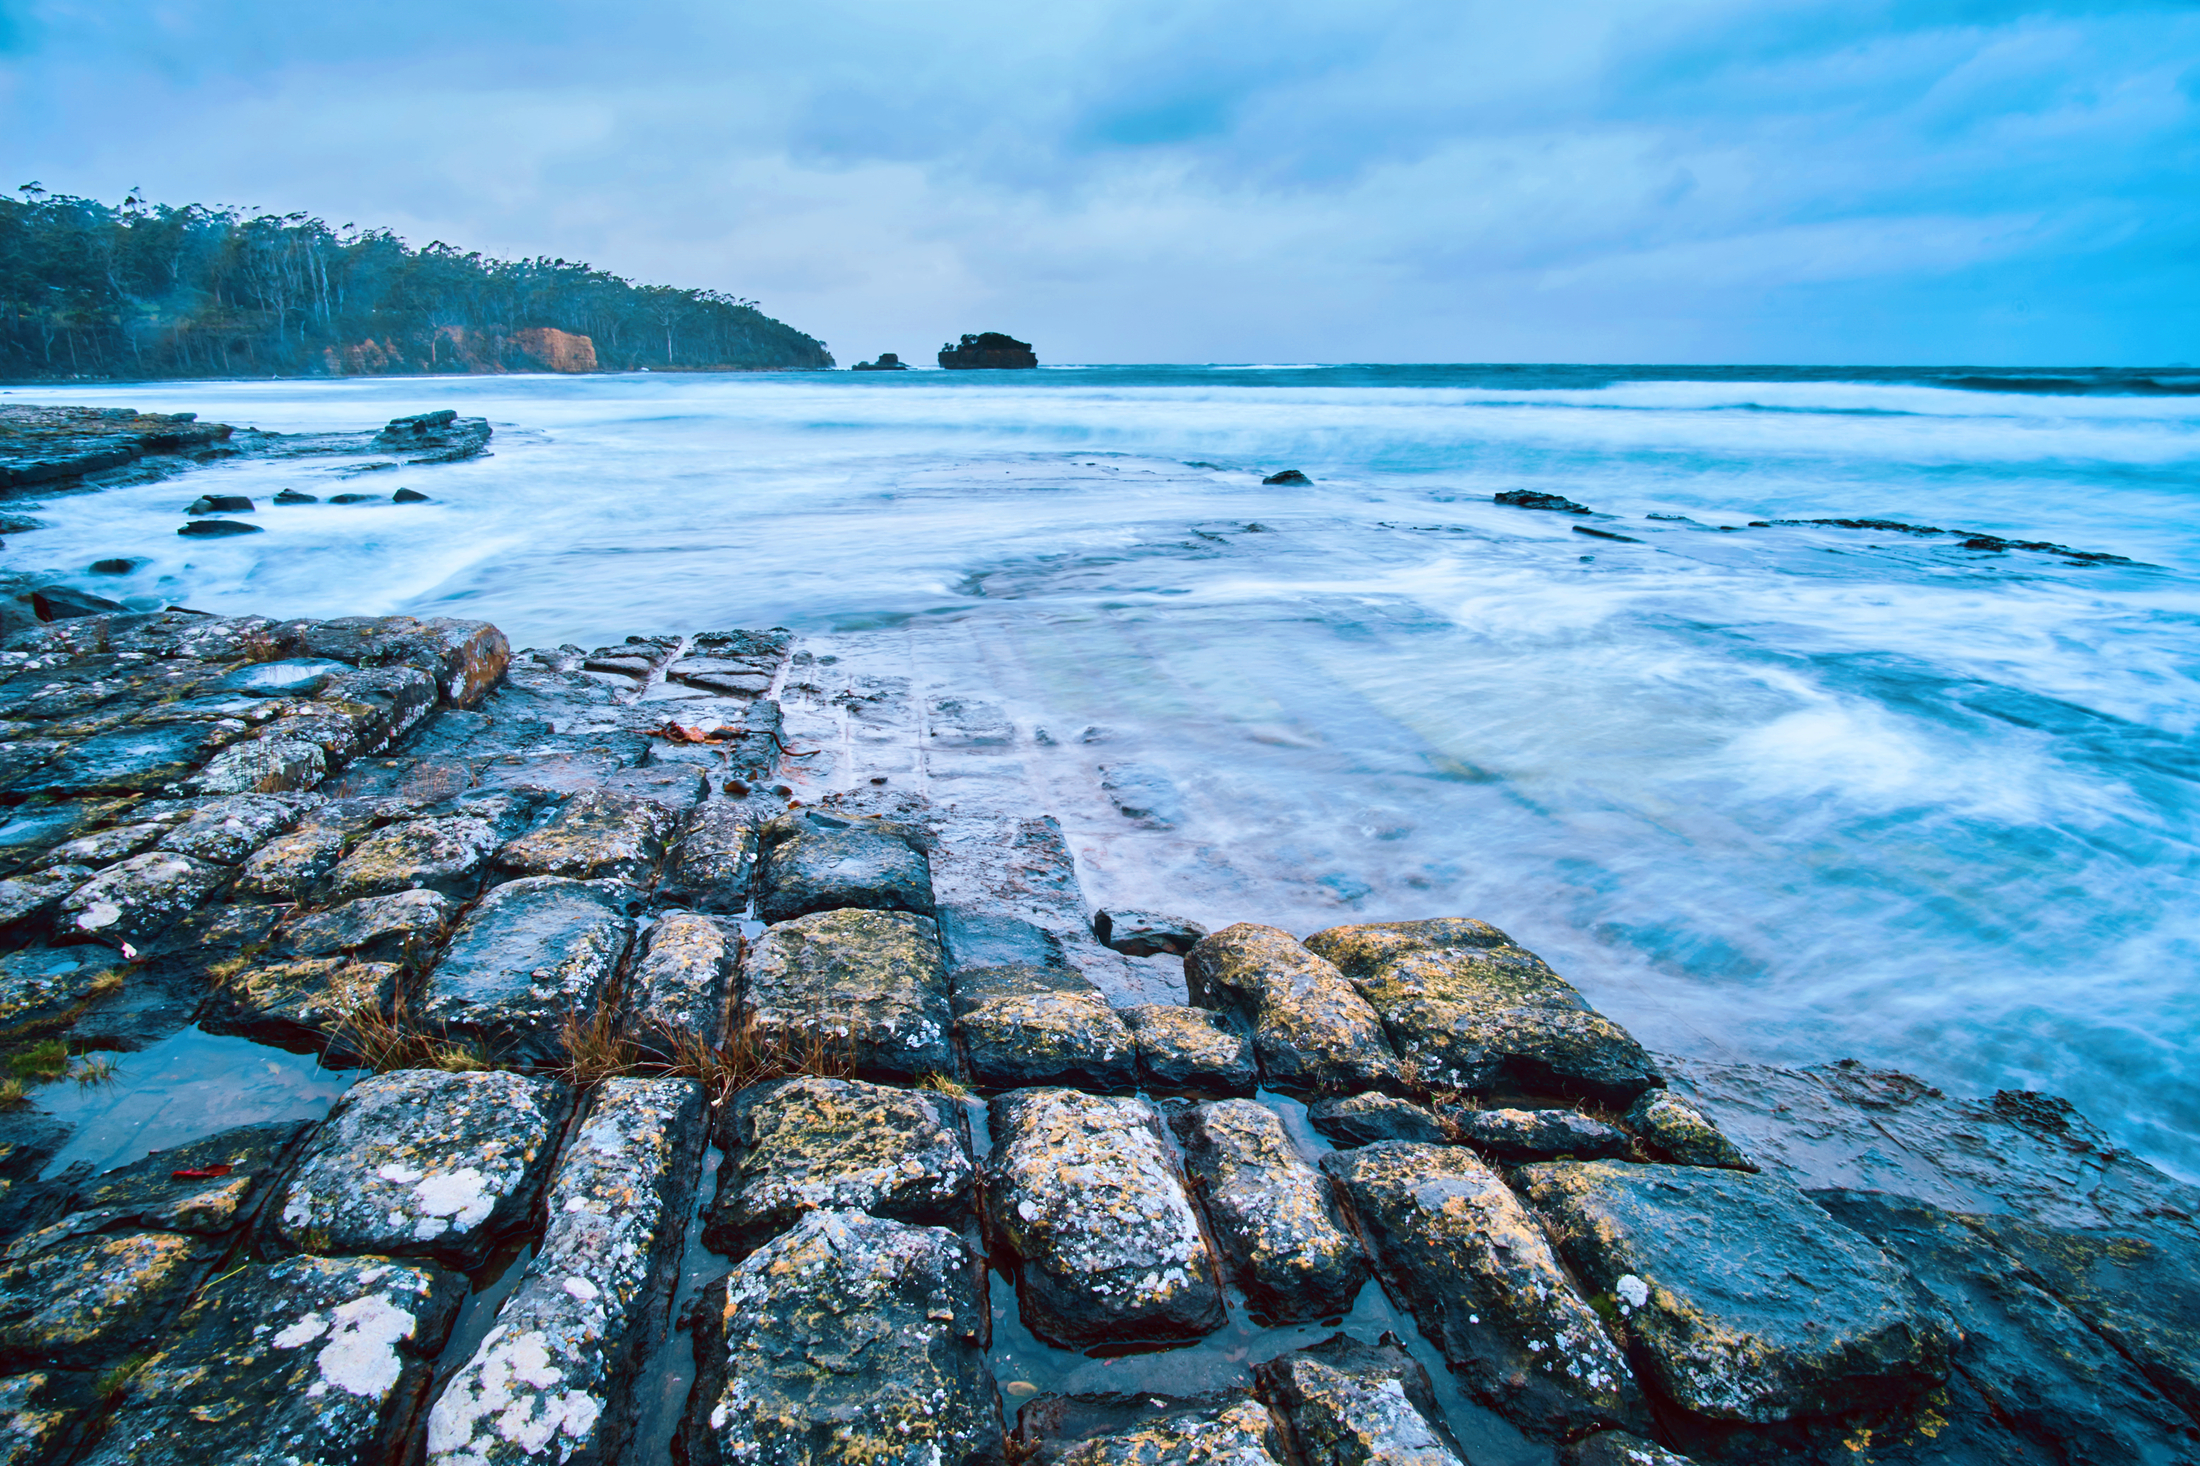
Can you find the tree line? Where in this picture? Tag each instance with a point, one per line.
(149, 290)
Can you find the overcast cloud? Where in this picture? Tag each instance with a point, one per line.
(1212, 180)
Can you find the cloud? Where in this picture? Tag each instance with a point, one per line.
(1212, 179)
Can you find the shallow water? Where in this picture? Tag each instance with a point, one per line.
(1786, 794)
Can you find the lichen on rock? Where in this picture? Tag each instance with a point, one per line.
(1313, 1033)
(870, 985)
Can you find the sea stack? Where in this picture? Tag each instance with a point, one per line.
(887, 362)
(989, 349)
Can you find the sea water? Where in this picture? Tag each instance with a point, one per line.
(1779, 793)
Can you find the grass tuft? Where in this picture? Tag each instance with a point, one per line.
(386, 1039)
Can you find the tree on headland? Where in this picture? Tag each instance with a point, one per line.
(149, 290)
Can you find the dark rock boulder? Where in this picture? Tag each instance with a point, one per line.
(1355, 1404)
(530, 954)
(1479, 1276)
(1679, 1132)
(377, 928)
(598, 834)
(434, 437)
(136, 900)
(219, 504)
(1082, 1193)
(1288, 476)
(421, 1163)
(868, 986)
(887, 362)
(1468, 1009)
(214, 529)
(1145, 934)
(679, 986)
(449, 855)
(712, 860)
(408, 496)
(86, 1301)
(60, 602)
(1312, 1032)
(987, 350)
(1192, 1051)
(305, 1003)
(1364, 1119)
(851, 1338)
(1740, 1299)
(293, 496)
(1534, 499)
(802, 1145)
(1536, 1135)
(1021, 1026)
(820, 862)
(118, 565)
(1225, 1428)
(1272, 1213)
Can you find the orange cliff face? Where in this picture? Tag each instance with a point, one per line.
(554, 350)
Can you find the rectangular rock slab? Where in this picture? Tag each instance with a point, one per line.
(422, 1163)
(1083, 1192)
(531, 954)
(310, 1361)
(1021, 1026)
(815, 861)
(1474, 1268)
(235, 1167)
(851, 1338)
(1469, 1008)
(449, 855)
(680, 985)
(225, 831)
(713, 860)
(304, 1004)
(870, 986)
(84, 1302)
(1196, 1051)
(1355, 1404)
(801, 1145)
(557, 1371)
(598, 834)
(137, 899)
(383, 928)
(1312, 1031)
(1739, 1298)
(1272, 1213)
(1226, 1427)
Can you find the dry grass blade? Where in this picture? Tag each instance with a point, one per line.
(387, 1039)
(595, 1049)
(753, 1054)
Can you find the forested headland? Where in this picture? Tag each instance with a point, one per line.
(149, 290)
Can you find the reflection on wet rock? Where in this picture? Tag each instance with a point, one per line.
(1313, 1033)
(1355, 1404)
(817, 862)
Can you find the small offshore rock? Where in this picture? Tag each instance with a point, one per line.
(424, 1163)
(408, 496)
(531, 953)
(1537, 1135)
(1681, 1133)
(218, 528)
(819, 862)
(1355, 1404)
(1477, 1273)
(679, 986)
(800, 1145)
(870, 986)
(1535, 499)
(1288, 476)
(1083, 1193)
(60, 602)
(1191, 1051)
(293, 496)
(851, 1338)
(1221, 1428)
(1742, 1300)
(219, 504)
(1364, 1119)
(309, 1359)
(1272, 1213)
(712, 860)
(118, 565)
(1312, 1032)
(1144, 934)
(1023, 1026)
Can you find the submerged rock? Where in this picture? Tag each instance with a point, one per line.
(1313, 1033)
(1191, 1051)
(1082, 1192)
(307, 1360)
(1537, 1135)
(1273, 1217)
(531, 954)
(1224, 1428)
(820, 862)
(1355, 1404)
(1468, 1008)
(869, 987)
(850, 1339)
(1364, 1119)
(1144, 934)
(425, 1164)
(1023, 1026)
(1740, 1299)
(557, 1372)
(1536, 499)
(679, 986)
(1475, 1270)
(712, 861)
(801, 1145)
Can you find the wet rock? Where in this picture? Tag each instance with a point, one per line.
(409, 496)
(808, 1144)
(420, 1163)
(531, 953)
(29, 902)
(214, 529)
(818, 862)
(1617, 1448)
(82, 1302)
(208, 1187)
(219, 504)
(1273, 1218)
(976, 936)
(137, 899)
(2045, 1375)
(1191, 1051)
(1226, 1428)
(679, 986)
(870, 986)
(448, 855)
(1355, 1404)
(1143, 934)
(556, 1374)
(1312, 1032)
(1143, 794)
(35, 1420)
(270, 765)
(308, 1360)
(1741, 1300)
(595, 835)
(1537, 1135)
(133, 760)
(851, 1338)
(28, 832)
(292, 866)
(307, 1003)
(374, 927)
(225, 831)
(48, 986)
(44, 444)
(1364, 1119)
(1678, 1132)
(1288, 476)
(1475, 1270)
(1468, 1008)
(1083, 1193)
(712, 860)
(1534, 499)
(435, 437)
(466, 659)
(293, 496)
(59, 602)
(1021, 1026)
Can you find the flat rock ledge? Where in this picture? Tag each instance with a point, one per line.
(581, 953)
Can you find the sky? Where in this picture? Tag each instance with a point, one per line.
(1828, 181)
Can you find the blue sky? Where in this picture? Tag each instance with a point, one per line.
(1213, 180)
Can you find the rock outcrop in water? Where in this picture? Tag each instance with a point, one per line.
(504, 883)
(987, 350)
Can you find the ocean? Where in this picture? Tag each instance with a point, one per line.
(1766, 792)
